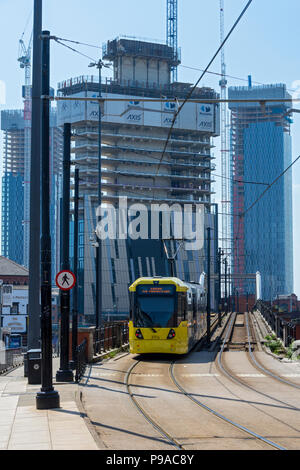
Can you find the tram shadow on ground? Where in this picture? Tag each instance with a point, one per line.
(193, 357)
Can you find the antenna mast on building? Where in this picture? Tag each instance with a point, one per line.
(24, 58)
(225, 192)
(172, 33)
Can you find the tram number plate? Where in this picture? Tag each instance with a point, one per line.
(155, 337)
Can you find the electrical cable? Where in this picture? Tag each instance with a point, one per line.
(228, 76)
(78, 42)
(242, 215)
(269, 187)
(198, 81)
(218, 74)
(74, 50)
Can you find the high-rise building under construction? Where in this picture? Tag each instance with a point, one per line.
(14, 180)
(136, 118)
(261, 151)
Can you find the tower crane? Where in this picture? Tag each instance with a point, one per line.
(172, 33)
(225, 155)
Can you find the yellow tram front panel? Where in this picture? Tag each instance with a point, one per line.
(157, 342)
(168, 338)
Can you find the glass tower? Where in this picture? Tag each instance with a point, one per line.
(261, 151)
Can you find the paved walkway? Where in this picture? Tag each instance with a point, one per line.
(22, 426)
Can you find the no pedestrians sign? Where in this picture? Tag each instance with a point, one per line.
(65, 280)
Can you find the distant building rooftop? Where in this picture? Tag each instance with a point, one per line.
(10, 268)
(133, 88)
(12, 119)
(122, 46)
(261, 92)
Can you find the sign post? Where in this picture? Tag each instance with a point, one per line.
(65, 281)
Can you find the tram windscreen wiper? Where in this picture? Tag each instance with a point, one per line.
(145, 320)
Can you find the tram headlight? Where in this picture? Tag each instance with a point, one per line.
(138, 334)
(171, 334)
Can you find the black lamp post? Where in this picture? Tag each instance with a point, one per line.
(220, 254)
(47, 398)
(65, 374)
(98, 317)
(208, 309)
(226, 299)
(75, 270)
(35, 195)
(98, 245)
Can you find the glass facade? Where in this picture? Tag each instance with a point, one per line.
(261, 148)
(12, 217)
(13, 181)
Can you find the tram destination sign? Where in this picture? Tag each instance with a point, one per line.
(162, 289)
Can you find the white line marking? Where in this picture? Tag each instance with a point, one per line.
(256, 376)
(296, 376)
(150, 375)
(103, 374)
(200, 375)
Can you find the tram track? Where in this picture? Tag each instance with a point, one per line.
(227, 372)
(147, 408)
(228, 337)
(259, 366)
(232, 376)
(219, 415)
(148, 418)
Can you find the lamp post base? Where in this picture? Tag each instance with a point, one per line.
(47, 400)
(64, 376)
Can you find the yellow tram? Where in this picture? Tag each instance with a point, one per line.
(167, 315)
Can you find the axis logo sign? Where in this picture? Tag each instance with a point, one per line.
(205, 117)
(206, 109)
(171, 107)
(133, 103)
(134, 112)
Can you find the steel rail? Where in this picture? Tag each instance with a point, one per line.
(216, 413)
(240, 382)
(156, 426)
(233, 378)
(219, 415)
(259, 366)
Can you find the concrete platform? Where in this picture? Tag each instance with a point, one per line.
(23, 427)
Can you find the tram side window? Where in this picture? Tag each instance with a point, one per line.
(131, 306)
(181, 311)
(194, 306)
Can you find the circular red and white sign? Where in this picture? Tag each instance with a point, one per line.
(65, 280)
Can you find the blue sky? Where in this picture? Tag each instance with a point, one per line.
(265, 45)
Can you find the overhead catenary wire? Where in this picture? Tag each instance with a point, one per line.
(242, 215)
(227, 76)
(77, 42)
(200, 78)
(269, 187)
(181, 65)
(72, 49)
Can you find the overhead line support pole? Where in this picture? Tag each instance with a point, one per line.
(35, 162)
(65, 374)
(47, 398)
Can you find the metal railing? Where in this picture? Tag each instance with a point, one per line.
(285, 330)
(81, 360)
(111, 336)
(10, 358)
